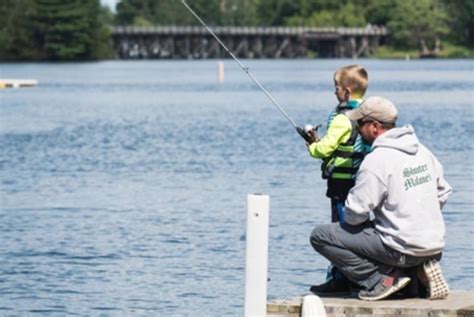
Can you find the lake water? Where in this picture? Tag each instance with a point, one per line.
(124, 184)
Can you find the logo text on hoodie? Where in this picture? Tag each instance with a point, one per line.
(415, 176)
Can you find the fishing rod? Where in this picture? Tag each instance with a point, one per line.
(301, 131)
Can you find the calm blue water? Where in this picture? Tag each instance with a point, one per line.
(123, 184)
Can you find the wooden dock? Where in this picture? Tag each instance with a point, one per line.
(458, 303)
(17, 83)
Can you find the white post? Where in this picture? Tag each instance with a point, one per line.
(220, 72)
(258, 207)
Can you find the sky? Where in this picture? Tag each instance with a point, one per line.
(110, 3)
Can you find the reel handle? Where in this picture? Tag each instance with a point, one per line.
(304, 132)
(304, 135)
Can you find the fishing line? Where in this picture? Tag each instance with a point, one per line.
(301, 131)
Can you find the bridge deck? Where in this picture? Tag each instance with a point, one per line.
(247, 42)
(231, 30)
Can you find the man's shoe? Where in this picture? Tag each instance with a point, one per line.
(431, 277)
(331, 288)
(394, 282)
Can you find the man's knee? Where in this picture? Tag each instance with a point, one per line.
(319, 237)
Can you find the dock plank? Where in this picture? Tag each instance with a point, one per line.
(458, 303)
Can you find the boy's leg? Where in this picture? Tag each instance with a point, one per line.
(334, 210)
(337, 215)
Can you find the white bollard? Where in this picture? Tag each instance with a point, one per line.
(220, 72)
(312, 306)
(256, 263)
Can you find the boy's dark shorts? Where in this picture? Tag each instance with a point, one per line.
(339, 188)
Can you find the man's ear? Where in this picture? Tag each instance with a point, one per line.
(378, 129)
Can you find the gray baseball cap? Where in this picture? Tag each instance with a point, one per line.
(375, 108)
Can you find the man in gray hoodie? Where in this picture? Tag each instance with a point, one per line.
(401, 184)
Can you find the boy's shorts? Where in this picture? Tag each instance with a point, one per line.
(339, 188)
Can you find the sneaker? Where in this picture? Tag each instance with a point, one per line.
(331, 288)
(394, 282)
(354, 289)
(431, 277)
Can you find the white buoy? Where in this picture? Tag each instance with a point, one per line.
(256, 261)
(220, 72)
(312, 306)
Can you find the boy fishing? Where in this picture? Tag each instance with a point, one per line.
(341, 150)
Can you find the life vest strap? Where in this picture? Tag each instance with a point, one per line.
(345, 170)
(352, 155)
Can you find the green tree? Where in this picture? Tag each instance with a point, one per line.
(347, 15)
(276, 12)
(311, 12)
(127, 11)
(239, 12)
(461, 21)
(17, 40)
(70, 30)
(165, 12)
(172, 12)
(53, 30)
(378, 12)
(415, 22)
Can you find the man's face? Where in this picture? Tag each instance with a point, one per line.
(368, 130)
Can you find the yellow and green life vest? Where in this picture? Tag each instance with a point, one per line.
(345, 160)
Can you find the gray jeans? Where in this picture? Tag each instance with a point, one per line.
(358, 252)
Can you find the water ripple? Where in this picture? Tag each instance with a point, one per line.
(122, 188)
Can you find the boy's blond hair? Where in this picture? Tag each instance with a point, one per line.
(353, 76)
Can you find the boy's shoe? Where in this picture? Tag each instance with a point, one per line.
(394, 282)
(332, 287)
(354, 289)
(431, 277)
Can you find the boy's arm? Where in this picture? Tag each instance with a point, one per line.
(339, 132)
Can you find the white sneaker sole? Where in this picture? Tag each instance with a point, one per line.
(401, 283)
(437, 286)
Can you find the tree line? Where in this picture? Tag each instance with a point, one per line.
(79, 29)
(53, 30)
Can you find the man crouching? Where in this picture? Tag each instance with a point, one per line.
(402, 183)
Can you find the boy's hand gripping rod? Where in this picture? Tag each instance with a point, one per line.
(300, 130)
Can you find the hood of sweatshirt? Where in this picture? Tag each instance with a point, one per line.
(402, 139)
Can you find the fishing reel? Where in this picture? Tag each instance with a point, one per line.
(309, 133)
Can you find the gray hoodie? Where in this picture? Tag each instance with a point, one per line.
(402, 183)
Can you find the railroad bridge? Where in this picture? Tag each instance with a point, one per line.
(195, 42)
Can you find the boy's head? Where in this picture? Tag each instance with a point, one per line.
(350, 82)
